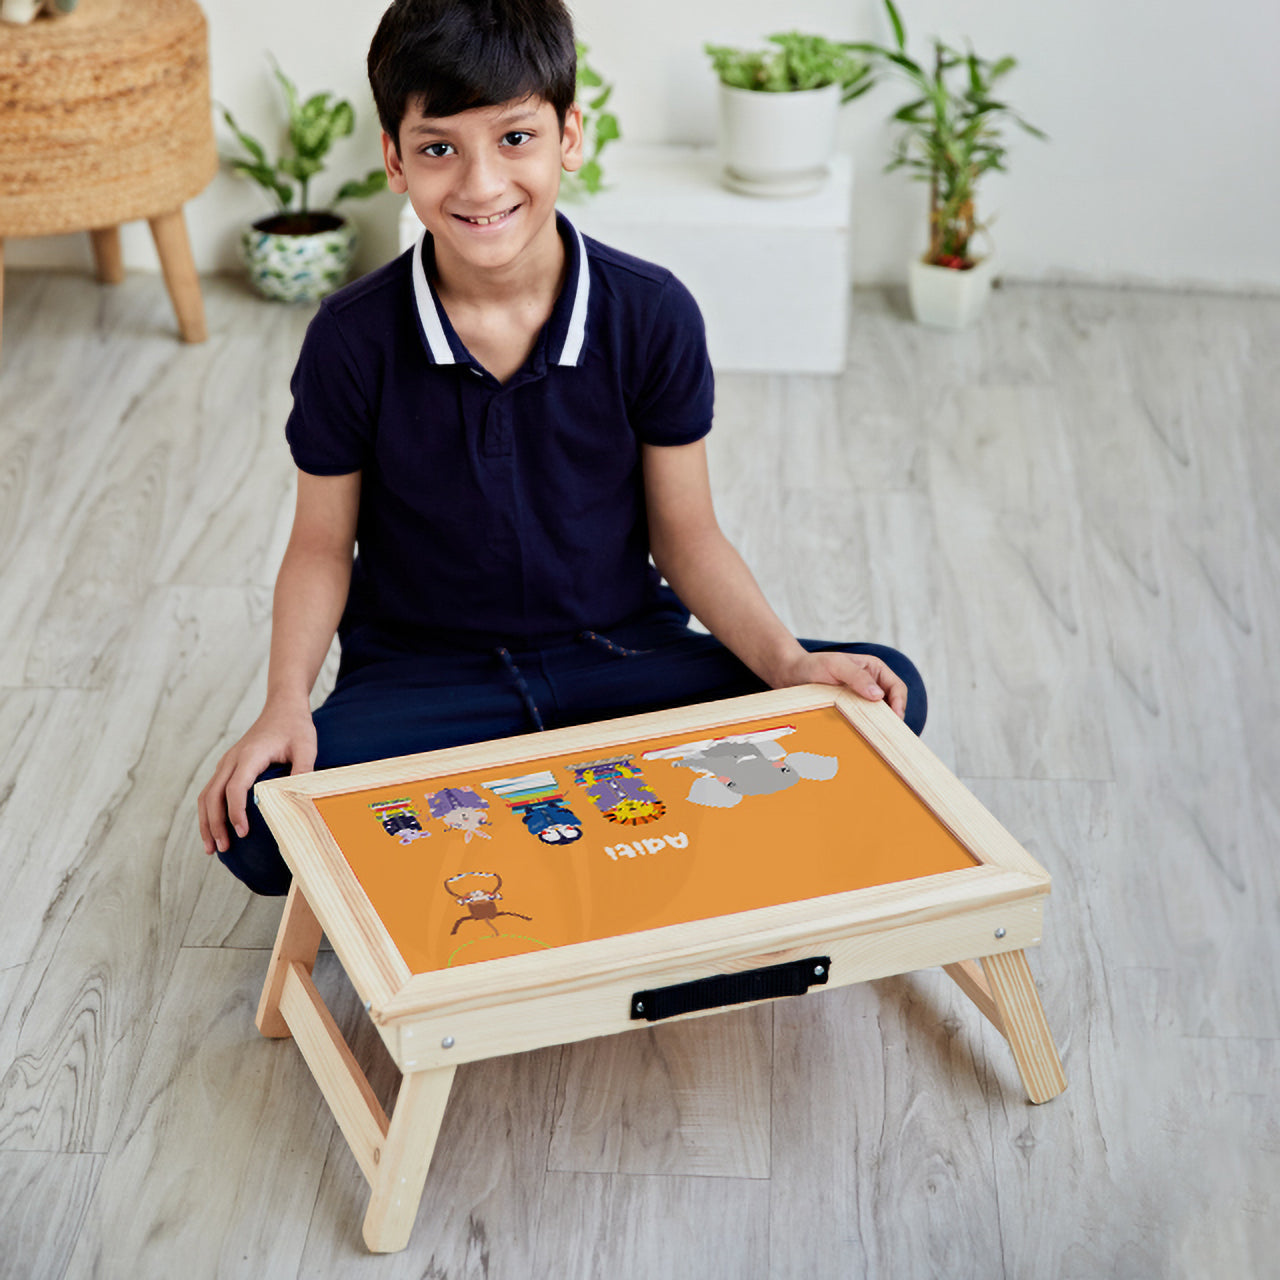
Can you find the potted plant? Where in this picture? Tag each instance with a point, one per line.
(300, 254)
(778, 110)
(20, 12)
(951, 134)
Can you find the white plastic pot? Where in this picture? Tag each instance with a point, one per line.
(777, 144)
(945, 298)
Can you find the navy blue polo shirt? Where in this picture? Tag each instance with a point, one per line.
(496, 512)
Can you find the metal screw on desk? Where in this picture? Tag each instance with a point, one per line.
(818, 971)
(447, 1042)
(1000, 932)
(639, 1006)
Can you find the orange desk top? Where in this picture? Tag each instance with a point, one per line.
(497, 862)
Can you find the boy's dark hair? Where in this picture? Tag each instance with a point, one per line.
(452, 55)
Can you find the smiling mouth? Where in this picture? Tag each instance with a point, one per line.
(489, 221)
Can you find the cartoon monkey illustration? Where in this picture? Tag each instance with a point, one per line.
(481, 900)
(461, 809)
(399, 818)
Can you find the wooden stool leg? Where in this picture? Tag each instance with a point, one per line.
(107, 255)
(406, 1157)
(1021, 1017)
(169, 231)
(297, 941)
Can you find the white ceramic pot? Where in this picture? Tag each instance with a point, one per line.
(297, 268)
(19, 12)
(777, 144)
(945, 298)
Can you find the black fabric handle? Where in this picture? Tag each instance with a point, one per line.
(791, 979)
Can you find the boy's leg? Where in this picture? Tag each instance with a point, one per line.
(638, 669)
(426, 703)
(391, 708)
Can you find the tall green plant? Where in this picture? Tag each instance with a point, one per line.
(599, 128)
(951, 133)
(314, 126)
(798, 62)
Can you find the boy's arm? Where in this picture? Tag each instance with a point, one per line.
(311, 591)
(713, 581)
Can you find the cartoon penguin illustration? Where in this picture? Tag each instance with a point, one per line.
(538, 801)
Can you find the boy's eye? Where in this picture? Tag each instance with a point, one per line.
(437, 149)
(516, 138)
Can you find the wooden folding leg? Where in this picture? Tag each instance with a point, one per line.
(107, 254)
(1003, 989)
(405, 1158)
(297, 941)
(169, 231)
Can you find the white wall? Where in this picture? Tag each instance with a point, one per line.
(1164, 164)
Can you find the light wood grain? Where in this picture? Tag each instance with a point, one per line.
(216, 1162)
(669, 1100)
(43, 1199)
(633, 1228)
(1021, 1018)
(484, 1195)
(1135, 758)
(297, 941)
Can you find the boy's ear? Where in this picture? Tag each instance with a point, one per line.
(571, 140)
(395, 168)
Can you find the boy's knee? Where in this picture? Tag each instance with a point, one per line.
(901, 666)
(254, 859)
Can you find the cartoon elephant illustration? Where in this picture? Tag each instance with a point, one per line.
(752, 764)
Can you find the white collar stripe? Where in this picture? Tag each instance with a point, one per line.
(571, 352)
(441, 352)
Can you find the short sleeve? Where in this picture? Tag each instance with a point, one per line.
(330, 428)
(677, 388)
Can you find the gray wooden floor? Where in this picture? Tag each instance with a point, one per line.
(1070, 517)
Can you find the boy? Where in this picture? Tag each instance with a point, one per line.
(503, 424)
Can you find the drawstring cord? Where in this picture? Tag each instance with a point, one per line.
(522, 685)
(621, 651)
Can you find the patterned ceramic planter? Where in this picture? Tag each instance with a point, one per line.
(298, 268)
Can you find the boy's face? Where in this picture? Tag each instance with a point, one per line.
(484, 182)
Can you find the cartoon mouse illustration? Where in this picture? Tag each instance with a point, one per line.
(460, 809)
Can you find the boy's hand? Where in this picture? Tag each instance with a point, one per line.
(278, 736)
(866, 675)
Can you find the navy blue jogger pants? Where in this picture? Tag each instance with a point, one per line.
(391, 703)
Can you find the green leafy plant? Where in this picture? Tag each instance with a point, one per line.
(952, 133)
(797, 62)
(314, 125)
(599, 128)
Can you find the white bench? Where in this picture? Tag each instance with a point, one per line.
(772, 276)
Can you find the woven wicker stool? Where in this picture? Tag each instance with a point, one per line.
(105, 118)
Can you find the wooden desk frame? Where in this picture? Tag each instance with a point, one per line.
(975, 922)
